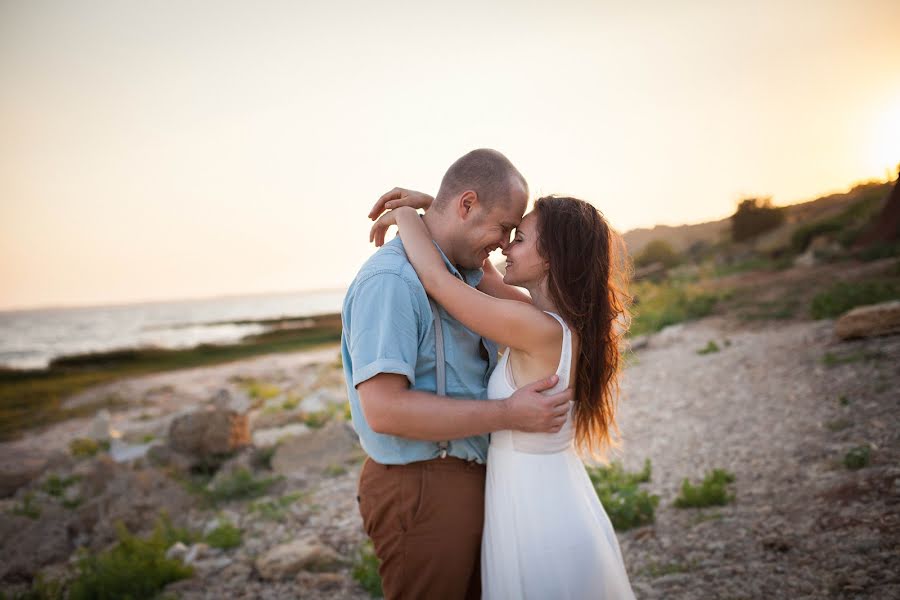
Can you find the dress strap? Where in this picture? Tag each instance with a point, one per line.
(565, 355)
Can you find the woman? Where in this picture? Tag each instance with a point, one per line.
(546, 535)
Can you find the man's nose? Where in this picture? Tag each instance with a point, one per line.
(504, 244)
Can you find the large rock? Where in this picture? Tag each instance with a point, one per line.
(207, 433)
(308, 554)
(868, 321)
(334, 444)
(34, 543)
(18, 468)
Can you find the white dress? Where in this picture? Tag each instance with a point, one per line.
(546, 535)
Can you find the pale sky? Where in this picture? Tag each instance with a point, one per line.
(156, 150)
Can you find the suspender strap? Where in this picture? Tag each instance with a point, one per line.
(441, 365)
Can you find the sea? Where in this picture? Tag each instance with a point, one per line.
(30, 339)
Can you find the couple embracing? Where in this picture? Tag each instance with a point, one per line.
(473, 486)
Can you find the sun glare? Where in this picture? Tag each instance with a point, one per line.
(886, 139)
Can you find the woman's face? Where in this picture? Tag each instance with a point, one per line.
(524, 265)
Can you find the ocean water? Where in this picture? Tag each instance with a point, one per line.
(30, 339)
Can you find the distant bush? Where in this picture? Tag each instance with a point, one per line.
(657, 251)
(879, 251)
(626, 505)
(753, 217)
(27, 508)
(225, 536)
(858, 457)
(846, 225)
(844, 296)
(135, 568)
(661, 305)
(87, 447)
(365, 570)
(242, 485)
(710, 348)
(712, 491)
(56, 486)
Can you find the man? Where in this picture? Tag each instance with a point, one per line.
(421, 491)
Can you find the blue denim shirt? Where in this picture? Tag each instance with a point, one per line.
(388, 328)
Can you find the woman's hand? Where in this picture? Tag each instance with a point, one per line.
(400, 197)
(379, 229)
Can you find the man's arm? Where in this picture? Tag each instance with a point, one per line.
(391, 408)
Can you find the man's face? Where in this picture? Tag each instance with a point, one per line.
(486, 230)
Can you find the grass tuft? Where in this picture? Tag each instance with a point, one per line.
(858, 457)
(712, 491)
(626, 505)
(365, 570)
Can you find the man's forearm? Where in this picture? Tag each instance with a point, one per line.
(423, 416)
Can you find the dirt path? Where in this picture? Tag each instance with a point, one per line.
(768, 409)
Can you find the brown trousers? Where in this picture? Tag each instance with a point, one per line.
(425, 520)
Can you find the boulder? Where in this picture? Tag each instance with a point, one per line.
(20, 467)
(34, 544)
(205, 434)
(868, 321)
(264, 438)
(308, 554)
(334, 444)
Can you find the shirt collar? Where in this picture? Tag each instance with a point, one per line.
(470, 276)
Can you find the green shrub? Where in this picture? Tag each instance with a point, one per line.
(241, 486)
(858, 457)
(661, 305)
(316, 420)
(225, 536)
(753, 217)
(843, 296)
(626, 505)
(830, 359)
(28, 508)
(365, 570)
(87, 447)
(40, 590)
(657, 251)
(846, 225)
(710, 348)
(56, 486)
(275, 510)
(879, 251)
(135, 568)
(711, 492)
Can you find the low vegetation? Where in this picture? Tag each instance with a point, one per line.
(660, 305)
(365, 570)
(844, 296)
(241, 485)
(712, 491)
(858, 457)
(625, 503)
(33, 398)
(225, 536)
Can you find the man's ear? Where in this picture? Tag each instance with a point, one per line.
(467, 202)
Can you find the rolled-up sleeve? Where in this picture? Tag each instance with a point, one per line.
(384, 337)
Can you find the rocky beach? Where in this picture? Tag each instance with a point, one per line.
(254, 462)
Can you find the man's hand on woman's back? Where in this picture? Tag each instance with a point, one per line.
(530, 410)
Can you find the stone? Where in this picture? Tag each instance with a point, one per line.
(177, 551)
(334, 444)
(99, 428)
(35, 544)
(308, 554)
(869, 321)
(196, 552)
(204, 434)
(264, 438)
(19, 468)
(162, 455)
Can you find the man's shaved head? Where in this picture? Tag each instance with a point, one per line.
(486, 172)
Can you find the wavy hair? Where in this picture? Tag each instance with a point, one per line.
(587, 280)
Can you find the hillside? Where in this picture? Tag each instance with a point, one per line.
(682, 237)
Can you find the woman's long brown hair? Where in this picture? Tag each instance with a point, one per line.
(587, 281)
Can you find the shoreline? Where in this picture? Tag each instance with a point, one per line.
(30, 399)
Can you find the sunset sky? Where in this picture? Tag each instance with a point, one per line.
(156, 150)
